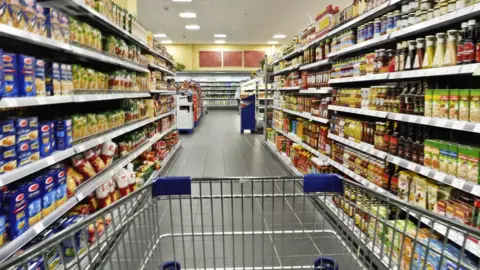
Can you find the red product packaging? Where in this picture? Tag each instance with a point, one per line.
(83, 166)
(95, 160)
(102, 194)
(108, 151)
(121, 179)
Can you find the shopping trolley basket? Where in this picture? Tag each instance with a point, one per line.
(314, 222)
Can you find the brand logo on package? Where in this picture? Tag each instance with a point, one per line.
(24, 147)
(61, 174)
(7, 58)
(49, 180)
(28, 61)
(20, 197)
(45, 128)
(33, 187)
(23, 123)
(40, 63)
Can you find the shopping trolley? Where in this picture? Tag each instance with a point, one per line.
(311, 222)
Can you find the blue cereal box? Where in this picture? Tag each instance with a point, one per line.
(40, 85)
(8, 164)
(64, 134)
(80, 241)
(2, 80)
(29, 15)
(7, 153)
(52, 255)
(10, 75)
(65, 27)
(35, 150)
(53, 24)
(26, 76)
(53, 135)
(34, 200)
(15, 208)
(45, 139)
(61, 178)
(14, 14)
(26, 129)
(52, 78)
(49, 194)
(64, 79)
(41, 21)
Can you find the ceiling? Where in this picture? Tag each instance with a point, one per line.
(243, 21)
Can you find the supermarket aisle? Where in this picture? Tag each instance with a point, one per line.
(217, 148)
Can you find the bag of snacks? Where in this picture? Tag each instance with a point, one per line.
(95, 160)
(108, 151)
(83, 166)
(92, 124)
(102, 122)
(76, 176)
(102, 195)
(79, 127)
(122, 181)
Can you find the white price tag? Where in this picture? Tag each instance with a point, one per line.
(441, 122)
(411, 166)
(41, 100)
(11, 102)
(425, 120)
(38, 228)
(477, 128)
(458, 125)
(439, 176)
(424, 171)
(458, 183)
(412, 118)
(50, 160)
(476, 190)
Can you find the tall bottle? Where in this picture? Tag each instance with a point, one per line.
(403, 56)
(402, 140)
(429, 52)
(439, 50)
(420, 53)
(450, 58)
(469, 44)
(419, 108)
(408, 150)
(410, 55)
(397, 56)
(403, 97)
(462, 35)
(393, 139)
(410, 98)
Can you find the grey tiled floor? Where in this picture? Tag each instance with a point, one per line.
(217, 148)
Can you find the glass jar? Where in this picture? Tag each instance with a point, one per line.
(443, 8)
(423, 16)
(390, 23)
(451, 6)
(411, 54)
(460, 4)
(413, 6)
(377, 27)
(384, 25)
(425, 5)
(439, 50)
(420, 53)
(370, 30)
(404, 22)
(396, 20)
(360, 37)
(405, 7)
(430, 14)
(436, 11)
(450, 58)
(429, 52)
(418, 17)
(411, 19)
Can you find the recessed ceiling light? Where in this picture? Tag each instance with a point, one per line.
(192, 27)
(160, 35)
(187, 15)
(219, 41)
(166, 42)
(181, 0)
(279, 36)
(273, 42)
(220, 35)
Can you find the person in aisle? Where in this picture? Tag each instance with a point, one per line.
(237, 96)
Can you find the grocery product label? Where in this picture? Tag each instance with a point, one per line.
(52, 79)
(464, 105)
(49, 194)
(26, 76)
(34, 200)
(29, 14)
(10, 74)
(40, 85)
(14, 11)
(453, 104)
(475, 105)
(53, 24)
(41, 21)
(472, 164)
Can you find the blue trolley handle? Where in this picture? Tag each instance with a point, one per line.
(170, 265)
(325, 263)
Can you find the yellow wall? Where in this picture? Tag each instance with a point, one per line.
(187, 54)
(130, 5)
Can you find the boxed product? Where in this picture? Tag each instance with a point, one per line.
(452, 158)
(14, 14)
(10, 74)
(428, 102)
(61, 190)
(464, 105)
(3, 229)
(23, 153)
(78, 246)
(15, 206)
(475, 105)
(65, 79)
(64, 21)
(41, 21)
(52, 255)
(49, 195)
(64, 134)
(34, 200)
(453, 104)
(52, 78)
(26, 129)
(53, 24)
(29, 14)
(26, 76)
(420, 191)
(45, 138)
(3, 14)
(40, 85)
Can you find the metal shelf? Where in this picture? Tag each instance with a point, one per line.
(320, 63)
(101, 97)
(91, 185)
(365, 147)
(173, 92)
(306, 115)
(291, 88)
(360, 46)
(379, 114)
(287, 69)
(162, 69)
(218, 99)
(298, 141)
(321, 90)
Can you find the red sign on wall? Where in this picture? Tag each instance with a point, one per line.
(210, 59)
(253, 58)
(232, 59)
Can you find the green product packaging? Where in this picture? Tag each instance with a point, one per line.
(475, 105)
(453, 104)
(427, 153)
(443, 156)
(440, 103)
(428, 102)
(452, 159)
(473, 155)
(464, 105)
(435, 152)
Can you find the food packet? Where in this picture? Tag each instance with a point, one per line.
(83, 166)
(95, 160)
(79, 127)
(92, 124)
(102, 195)
(75, 176)
(108, 151)
(121, 181)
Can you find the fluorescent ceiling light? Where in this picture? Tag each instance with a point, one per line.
(181, 0)
(160, 35)
(192, 27)
(219, 41)
(273, 42)
(279, 36)
(220, 35)
(187, 15)
(166, 42)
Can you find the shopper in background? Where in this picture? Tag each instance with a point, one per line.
(237, 96)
